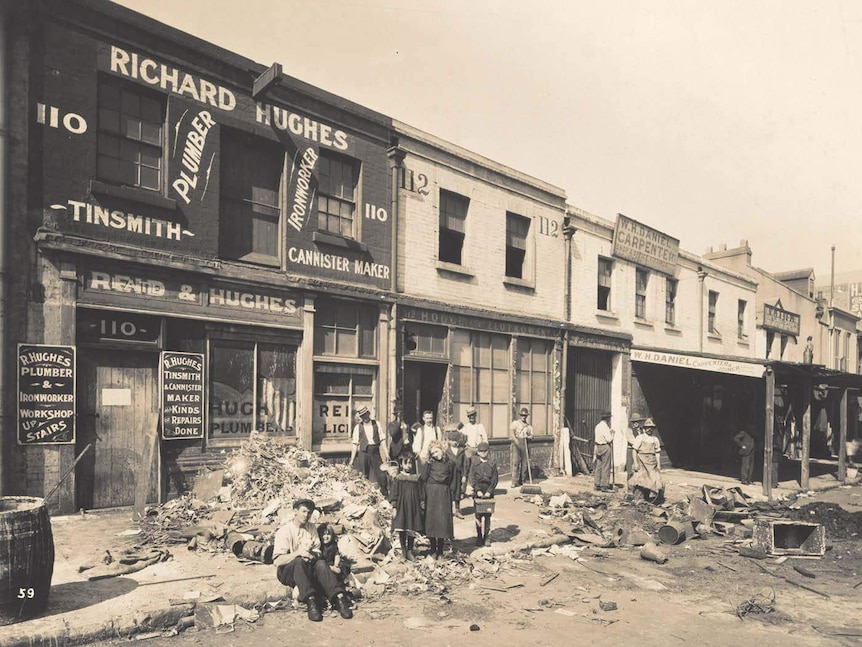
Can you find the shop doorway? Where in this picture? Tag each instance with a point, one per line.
(588, 394)
(118, 414)
(423, 389)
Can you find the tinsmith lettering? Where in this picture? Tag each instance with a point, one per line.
(133, 66)
(301, 126)
(116, 219)
(192, 153)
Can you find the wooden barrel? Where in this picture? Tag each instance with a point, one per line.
(26, 558)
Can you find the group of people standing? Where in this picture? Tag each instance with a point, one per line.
(643, 457)
(427, 473)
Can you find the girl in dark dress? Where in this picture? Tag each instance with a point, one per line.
(405, 495)
(329, 553)
(455, 453)
(437, 475)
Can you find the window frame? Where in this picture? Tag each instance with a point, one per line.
(104, 133)
(642, 277)
(231, 223)
(473, 375)
(712, 312)
(526, 400)
(604, 281)
(741, 307)
(671, 288)
(513, 250)
(328, 157)
(326, 321)
(449, 238)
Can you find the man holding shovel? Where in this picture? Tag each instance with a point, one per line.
(520, 432)
(604, 446)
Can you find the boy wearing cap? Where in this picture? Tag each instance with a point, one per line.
(366, 449)
(520, 432)
(296, 555)
(483, 478)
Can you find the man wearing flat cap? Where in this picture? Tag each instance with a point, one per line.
(604, 452)
(368, 448)
(474, 432)
(520, 432)
(296, 555)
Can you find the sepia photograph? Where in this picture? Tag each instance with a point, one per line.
(455, 322)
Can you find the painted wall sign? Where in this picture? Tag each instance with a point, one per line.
(182, 382)
(644, 245)
(50, 116)
(162, 293)
(46, 394)
(101, 325)
(697, 363)
(303, 186)
(780, 320)
(191, 159)
(99, 216)
(332, 418)
(301, 126)
(478, 323)
(171, 79)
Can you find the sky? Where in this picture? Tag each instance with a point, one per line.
(713, 122)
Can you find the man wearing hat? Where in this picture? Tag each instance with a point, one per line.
(367, 445)
(296, 555)
(473, 431)
(520, 432)
(631, 433)
(604, 443)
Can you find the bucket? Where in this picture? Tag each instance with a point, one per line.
(26, 558)
(674, 532)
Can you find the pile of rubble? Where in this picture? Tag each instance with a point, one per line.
(238, 509)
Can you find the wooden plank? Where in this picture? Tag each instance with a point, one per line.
(804, 469)
(842, 439)
(145, 472)
(767, 433)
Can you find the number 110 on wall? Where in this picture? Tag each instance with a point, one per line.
(373, 212)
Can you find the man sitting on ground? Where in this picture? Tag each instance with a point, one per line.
(296, 555)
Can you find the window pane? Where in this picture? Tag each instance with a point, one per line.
(461, 384)
(482, 380)
(109, 120)
(501, 351)
(481, 353)
(501, 419)
(539, 420)
(150, 178)
(232, 402)
(346, 343)
(363, 384)
(539, 388)
(461, 348)
(502, 388)
(523, 387)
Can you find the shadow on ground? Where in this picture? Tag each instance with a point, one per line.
(71, 596)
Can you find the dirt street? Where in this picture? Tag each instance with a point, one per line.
(578, 593)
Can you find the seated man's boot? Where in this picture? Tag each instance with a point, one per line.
(343, 605)
(314, 613)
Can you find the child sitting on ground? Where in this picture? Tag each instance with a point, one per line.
(338, 564)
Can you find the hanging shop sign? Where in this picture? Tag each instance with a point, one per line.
(780, 320)
(46, 394)
(714, 364)
(182, 389)
(644, 245)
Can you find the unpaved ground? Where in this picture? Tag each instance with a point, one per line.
(693, 598)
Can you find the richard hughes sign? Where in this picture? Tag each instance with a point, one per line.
(46, 394)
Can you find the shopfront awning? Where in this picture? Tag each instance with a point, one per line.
(698, 362)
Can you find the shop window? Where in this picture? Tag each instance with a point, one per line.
(517, 230)
(606, 268)
(713, 309)
(740, 321)
(345, 329)
(482, 378)
(252, 388)
(533, 379)
(250, 206)
(424, 339)
(131, 135)
(336, 194)
(641, 284)
(453, 217)
(671, 287)
(339, 391)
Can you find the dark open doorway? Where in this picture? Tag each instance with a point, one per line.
(423, 389)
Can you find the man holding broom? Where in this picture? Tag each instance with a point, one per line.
(520, 432)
